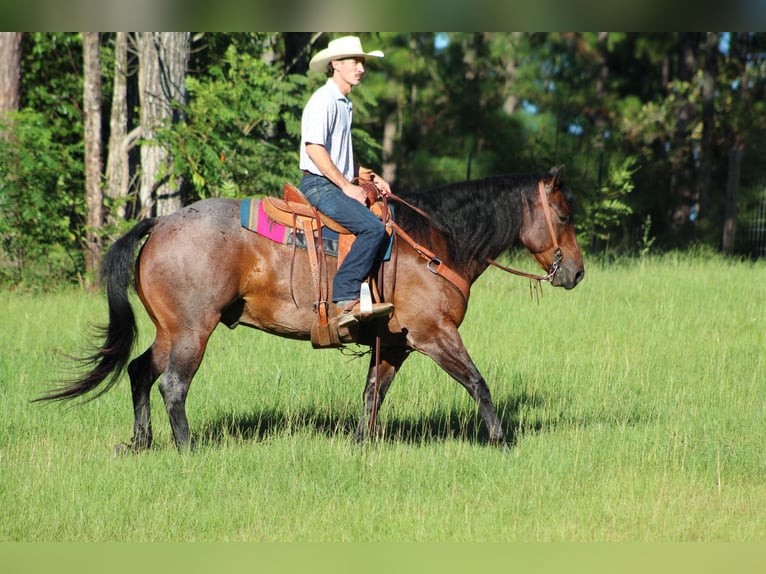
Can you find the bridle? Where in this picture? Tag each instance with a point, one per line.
(557, 254)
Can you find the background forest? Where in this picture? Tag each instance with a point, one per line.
(662, 134)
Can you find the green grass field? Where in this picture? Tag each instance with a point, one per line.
(634, 407)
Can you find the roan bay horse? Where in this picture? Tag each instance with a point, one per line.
(200, 267)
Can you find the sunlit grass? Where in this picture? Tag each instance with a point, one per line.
(634, 407)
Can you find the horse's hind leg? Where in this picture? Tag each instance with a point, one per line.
(143, 371)
(183, 362)
(381, 377)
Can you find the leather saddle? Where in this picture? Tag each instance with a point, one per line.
(294, 208)
(295, 211)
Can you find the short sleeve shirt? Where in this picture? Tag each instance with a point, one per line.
(326, 121)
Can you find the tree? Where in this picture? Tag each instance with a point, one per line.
(163, 59)
(744, 84)
(657, 124)
(94, 198)
(120, 141)
(10, 70)
(10, 73)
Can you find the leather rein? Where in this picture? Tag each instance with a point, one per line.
(436, 266)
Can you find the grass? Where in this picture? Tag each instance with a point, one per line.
(634, 407)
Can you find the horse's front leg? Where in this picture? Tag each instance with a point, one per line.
(446, 348)
(379, 379)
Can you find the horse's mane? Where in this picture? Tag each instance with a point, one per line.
(479, 218)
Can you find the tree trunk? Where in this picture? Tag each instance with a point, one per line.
(10, 71)
(601, 119)
(730, 212)
(705, 173)
(94, 200)
(682, 154)
(740, 50)
(117, 164)
(390, 130)
(163, 58)
(512, 100)
(297, 51)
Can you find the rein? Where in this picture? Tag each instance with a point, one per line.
(458, 281)
(434, 265)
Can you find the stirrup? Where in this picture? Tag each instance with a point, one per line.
(353, 315)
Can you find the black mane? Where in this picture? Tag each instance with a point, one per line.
(480, 218)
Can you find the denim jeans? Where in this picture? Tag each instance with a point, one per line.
(358, 219)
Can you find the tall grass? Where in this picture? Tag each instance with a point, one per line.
(634, 407)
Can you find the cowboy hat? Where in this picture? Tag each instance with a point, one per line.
(339, 49)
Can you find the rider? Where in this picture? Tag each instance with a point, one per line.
(327, 161)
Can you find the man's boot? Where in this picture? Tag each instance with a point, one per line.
(351, 312)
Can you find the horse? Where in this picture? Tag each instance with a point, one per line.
(199, 267)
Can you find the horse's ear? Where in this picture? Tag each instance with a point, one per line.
(558, 174)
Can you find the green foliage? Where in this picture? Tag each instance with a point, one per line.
(51, 80)
(435, 106)
(647, 240)
(41, 167)
(604, 210)
(241, 128)
(40, 202)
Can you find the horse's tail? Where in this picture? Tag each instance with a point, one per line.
(109, 360)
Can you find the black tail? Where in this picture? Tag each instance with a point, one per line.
(109, 360)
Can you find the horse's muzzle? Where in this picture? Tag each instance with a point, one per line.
(568, 278)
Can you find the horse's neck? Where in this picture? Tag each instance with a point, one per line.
(497, 229)
(496, 215)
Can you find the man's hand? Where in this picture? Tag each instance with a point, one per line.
(355, 192)
(367, 175)
(382, 185)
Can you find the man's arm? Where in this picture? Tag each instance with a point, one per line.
(318, 154)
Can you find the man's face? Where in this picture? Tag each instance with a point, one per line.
(349, 71)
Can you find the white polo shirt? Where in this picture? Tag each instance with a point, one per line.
(326, 120)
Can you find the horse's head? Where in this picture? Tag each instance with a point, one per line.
(548, 233)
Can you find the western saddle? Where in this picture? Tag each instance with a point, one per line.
(294, 210)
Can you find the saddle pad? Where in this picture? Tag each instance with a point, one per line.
(252, 216)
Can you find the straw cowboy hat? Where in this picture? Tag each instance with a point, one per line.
(338, 49)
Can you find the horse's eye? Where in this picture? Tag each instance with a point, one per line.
(564, 219)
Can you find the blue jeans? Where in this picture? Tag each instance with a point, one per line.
(370, 233)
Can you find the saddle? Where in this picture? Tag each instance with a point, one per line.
(294, 210)
(294, 205)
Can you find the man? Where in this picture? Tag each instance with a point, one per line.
(327, 161)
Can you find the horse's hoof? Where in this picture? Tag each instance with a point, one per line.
(500, 443)
(187, 447)
(132, 447)
(123, 448)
